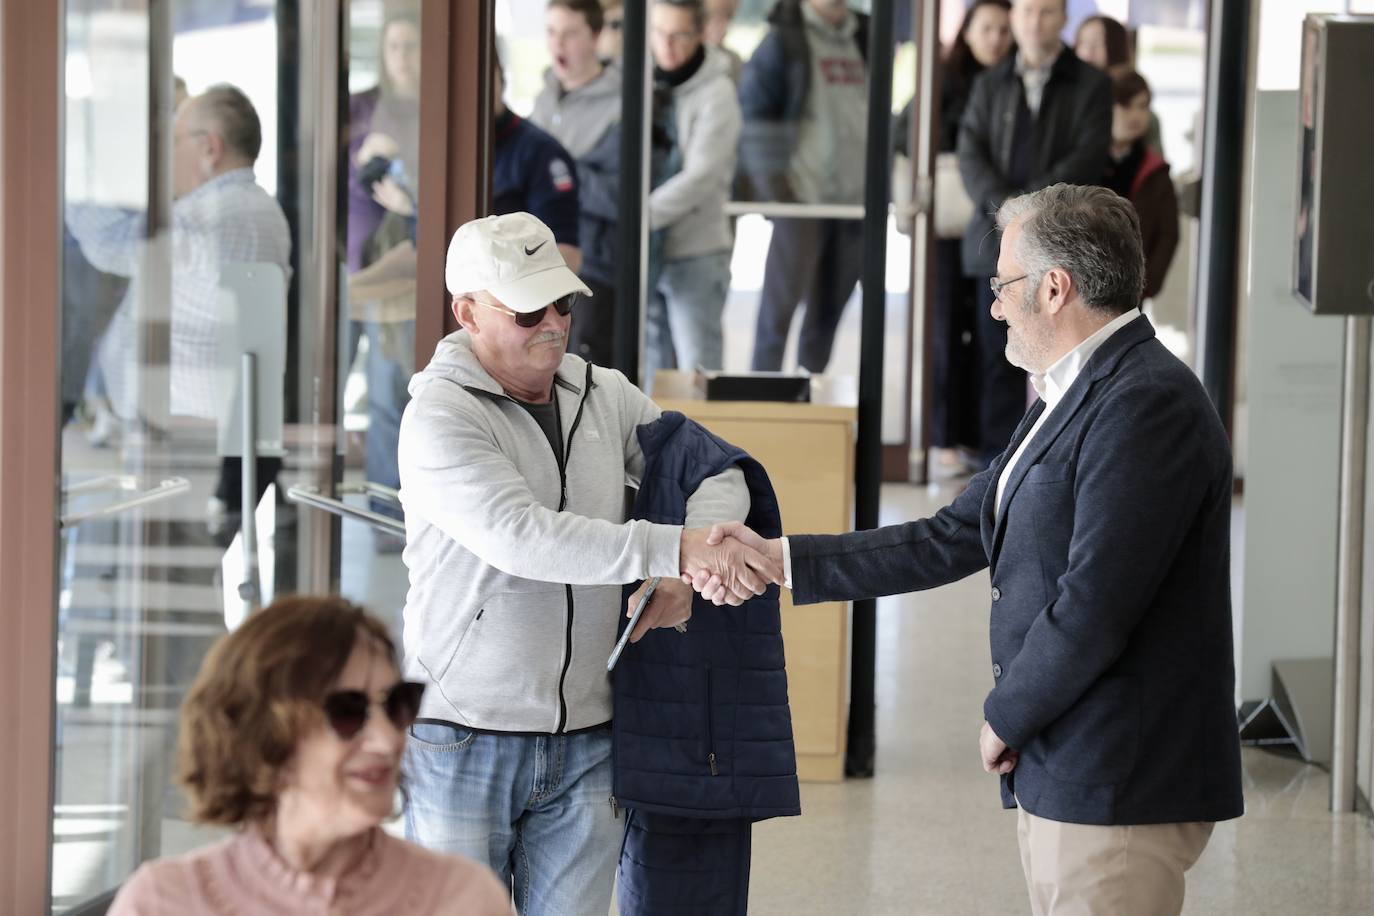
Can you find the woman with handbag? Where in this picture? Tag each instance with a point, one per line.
(984, 40)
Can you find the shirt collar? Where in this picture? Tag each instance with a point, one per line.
(242, 175)
(1023, 68)
(1057, 378)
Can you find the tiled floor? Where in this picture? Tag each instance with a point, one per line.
(927, 834)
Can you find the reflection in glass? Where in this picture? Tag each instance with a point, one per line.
(383, 193)
(177, 254)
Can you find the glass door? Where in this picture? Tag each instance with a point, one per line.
(204, 312)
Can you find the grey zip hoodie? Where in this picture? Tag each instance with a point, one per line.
(515, 561)
(691, 204)
(580, 118)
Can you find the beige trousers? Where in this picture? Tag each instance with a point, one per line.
(1088, 870)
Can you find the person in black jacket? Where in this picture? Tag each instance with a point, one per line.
(984, 40)
(804, 98)
(1105, 528)
(1039, 117)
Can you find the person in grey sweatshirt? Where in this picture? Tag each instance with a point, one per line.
(805, 99)
(514, 459)
(580, 107)
(685, 305)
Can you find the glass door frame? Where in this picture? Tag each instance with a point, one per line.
(456, 133)
(31, 56)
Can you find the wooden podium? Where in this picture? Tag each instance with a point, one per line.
(808, 451)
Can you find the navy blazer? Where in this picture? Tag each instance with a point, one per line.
(1110, 616)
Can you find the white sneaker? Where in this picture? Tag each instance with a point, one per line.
(216, 512)
(104, 430)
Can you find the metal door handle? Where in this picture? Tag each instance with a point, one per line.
(311, 496)
(168, 488)
(375, 490)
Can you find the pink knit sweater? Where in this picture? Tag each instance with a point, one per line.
(243, 875)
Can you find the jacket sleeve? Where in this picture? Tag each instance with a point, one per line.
(896, 559)
(983, 180)
(551, 192)
(455, 475)
(1159, 249)
(1085, 162)
(762, 85)
(111, 239)
(708, 157)
(598, 177)
(1139, 484)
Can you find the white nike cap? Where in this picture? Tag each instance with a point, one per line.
(514, 257)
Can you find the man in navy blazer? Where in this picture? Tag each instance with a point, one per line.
(1105, 526)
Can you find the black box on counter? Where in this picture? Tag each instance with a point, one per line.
(755, 386)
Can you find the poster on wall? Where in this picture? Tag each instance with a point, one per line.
(1307, 161)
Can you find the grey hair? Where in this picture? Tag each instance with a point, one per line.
(234, 118)
(696, 7)
(1090, 232)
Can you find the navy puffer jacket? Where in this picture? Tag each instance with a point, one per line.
(701, 724)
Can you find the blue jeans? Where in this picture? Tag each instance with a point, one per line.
(390, 364)
(536, 808)
(682, 327)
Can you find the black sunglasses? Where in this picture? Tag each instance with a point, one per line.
(562, 305)
(347, 710)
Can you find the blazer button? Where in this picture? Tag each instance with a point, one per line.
(996, 670)
(996, 593)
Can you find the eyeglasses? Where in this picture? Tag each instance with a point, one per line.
(347, 710)
(998, 285)
(562, 305)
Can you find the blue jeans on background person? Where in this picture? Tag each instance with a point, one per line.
(682, 324)
(536, 808)
(390, 364)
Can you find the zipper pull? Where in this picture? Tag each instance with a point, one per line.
(711, 759)
(615, 808)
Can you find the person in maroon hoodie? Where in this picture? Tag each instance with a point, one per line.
(1139, 173)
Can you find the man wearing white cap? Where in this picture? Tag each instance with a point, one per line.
(514, 459)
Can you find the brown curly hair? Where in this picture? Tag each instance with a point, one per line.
(258, 693)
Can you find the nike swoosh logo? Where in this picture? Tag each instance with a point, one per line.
(529, 252)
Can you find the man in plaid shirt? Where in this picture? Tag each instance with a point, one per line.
(220, 216)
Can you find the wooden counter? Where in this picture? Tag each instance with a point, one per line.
(808, 451)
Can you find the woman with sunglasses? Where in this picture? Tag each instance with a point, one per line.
(292, 736)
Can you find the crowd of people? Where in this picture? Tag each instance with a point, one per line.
(494, 733)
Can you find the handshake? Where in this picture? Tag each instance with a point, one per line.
(726, 564)
(729, 563)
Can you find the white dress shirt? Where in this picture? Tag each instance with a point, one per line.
(1055, 382)
(1033, 79)
(1051, 387)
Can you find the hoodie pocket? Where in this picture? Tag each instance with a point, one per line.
(506, 666)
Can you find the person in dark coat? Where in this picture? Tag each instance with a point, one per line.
(804, 98)
(984, 40)
(1105, 528)
(1139, 173)
(1039, 117)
